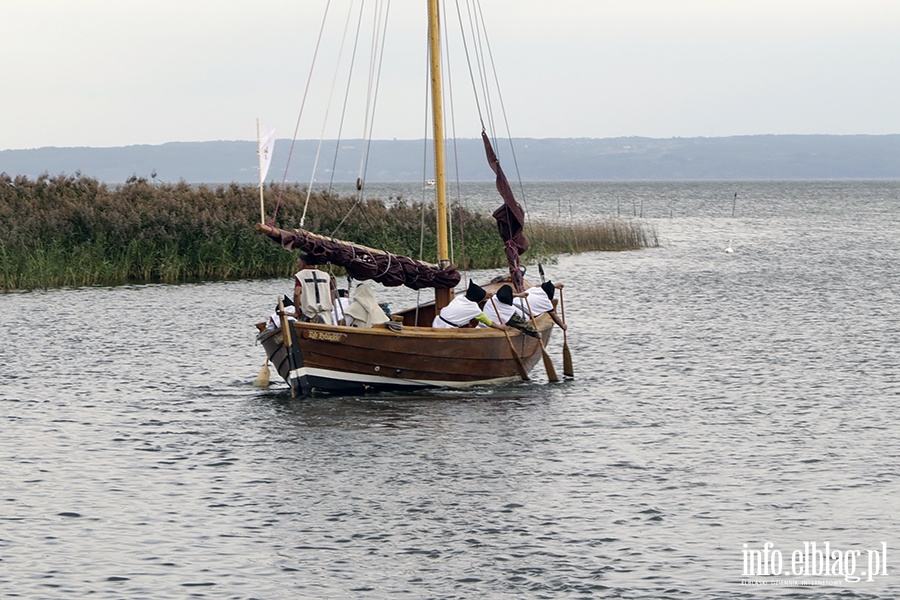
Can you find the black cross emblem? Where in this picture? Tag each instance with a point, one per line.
(315, 281)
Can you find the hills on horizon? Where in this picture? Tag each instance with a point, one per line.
(547, 159)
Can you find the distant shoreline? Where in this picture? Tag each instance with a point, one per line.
(736, 158)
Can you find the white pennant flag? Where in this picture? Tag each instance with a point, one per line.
(266, 147)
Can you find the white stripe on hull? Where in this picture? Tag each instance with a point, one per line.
(342, 376)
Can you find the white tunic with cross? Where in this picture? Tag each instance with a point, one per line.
(315, 294)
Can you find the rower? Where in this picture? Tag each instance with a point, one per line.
(540, 299)
(463, 309)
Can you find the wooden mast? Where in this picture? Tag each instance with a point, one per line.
(441, 296)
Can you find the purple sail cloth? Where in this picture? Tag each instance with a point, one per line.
(510, 217)
(365, 263)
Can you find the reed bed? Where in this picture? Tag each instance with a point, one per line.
(608, 234)
(75, 231)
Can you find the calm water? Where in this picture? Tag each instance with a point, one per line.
(720, 400)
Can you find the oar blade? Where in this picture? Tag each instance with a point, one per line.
(262, 380)
(548, 366)
(568, 371)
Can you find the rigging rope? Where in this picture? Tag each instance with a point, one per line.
(452, 111)
(465, 46)
(312, 176)
(337, 145)
(375, 63)
(372, 88)
(300, 115)
(512, 148)
(377, 52)
(445, 74)
(424, 177)
(480, 63)
(481, 48)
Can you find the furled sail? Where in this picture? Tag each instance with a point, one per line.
(510, 217)
(363, 263)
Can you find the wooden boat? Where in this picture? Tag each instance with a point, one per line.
(341, 359)
(407, 353)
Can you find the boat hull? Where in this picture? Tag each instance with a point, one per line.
(330, 359)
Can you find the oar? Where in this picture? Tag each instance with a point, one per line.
(262, 380)
(523, 372)
(567, 356)
(548, 364)
(287, 341)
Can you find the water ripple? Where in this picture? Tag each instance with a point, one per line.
(720, 400)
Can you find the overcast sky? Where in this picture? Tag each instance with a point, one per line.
(122, 72)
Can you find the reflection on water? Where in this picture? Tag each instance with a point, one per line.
(719, 400)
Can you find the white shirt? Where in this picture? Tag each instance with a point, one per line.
(459, 312)
(537, 299)
(506, 311)
(340, 306)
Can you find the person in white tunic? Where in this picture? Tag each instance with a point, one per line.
(540, 298)
(313, 290)
(463, 309)
(364, 310)
(503, 300)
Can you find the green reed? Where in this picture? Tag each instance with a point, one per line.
(75, 231)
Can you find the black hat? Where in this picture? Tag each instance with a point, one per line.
(287, 301)
(505, 295)
(475, 293)
(549, 289)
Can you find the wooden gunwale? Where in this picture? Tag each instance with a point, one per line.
(421, 354)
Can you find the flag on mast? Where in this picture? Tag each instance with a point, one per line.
(266, 137)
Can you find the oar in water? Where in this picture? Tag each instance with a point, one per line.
(262, 380)
(287, 335)
(548, 364)
(523, 372)
(568, 371)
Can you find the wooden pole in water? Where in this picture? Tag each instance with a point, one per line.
(548, 364)
(523, 372)
(568, 371)
(287, 342)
